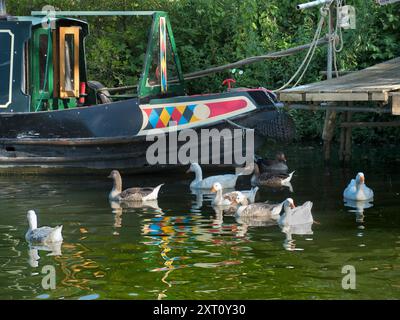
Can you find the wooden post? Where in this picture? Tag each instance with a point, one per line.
(347, 150)
(342, 138)
(330, 116)
(328, 132)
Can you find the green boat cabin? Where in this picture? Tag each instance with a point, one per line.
(43, 65)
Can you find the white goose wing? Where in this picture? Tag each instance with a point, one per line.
(45, 234)
(301, 214)
(226, 180)
(350, 189)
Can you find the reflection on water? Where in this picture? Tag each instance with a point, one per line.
(359, 207)
(53, 249)
(180, 247)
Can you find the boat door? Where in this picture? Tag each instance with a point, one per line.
(13, 60)
(56, 68)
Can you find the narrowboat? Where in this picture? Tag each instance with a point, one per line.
(53, 116)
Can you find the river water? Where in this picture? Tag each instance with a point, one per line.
(180, 248)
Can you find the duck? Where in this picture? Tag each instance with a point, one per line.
(357, 189)
(43, 235)
(262, 209)
(274, 180)
(226, 180)
(274, 165)
(132, 194)
(228, 199)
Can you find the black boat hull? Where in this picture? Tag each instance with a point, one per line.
(103, 137)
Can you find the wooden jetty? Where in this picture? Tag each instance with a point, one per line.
(374, 89)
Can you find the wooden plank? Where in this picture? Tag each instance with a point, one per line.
(396, 103)
(371, 84)
(314, 97)
(370, 124)
(287, 96)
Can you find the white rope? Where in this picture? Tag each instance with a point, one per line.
(307, 59)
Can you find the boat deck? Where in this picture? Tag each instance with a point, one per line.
(376, 83)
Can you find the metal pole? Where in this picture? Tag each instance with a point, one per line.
(311, 4)
(330, 46)
(330, 116)
(3, 10)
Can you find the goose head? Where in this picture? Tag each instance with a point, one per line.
(114, 174)
(32, 219)
(216, 187)
(194, 167)
(280, 156)
(288, 203)
(360, 179)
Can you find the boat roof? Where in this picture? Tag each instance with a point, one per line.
(39, 20)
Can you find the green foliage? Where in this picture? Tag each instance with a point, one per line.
(215, 32)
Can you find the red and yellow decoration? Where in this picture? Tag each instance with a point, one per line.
(193, 113)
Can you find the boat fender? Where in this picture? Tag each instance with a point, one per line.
(82, 93)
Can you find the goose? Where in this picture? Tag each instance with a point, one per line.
(274, 165)
(357, 189)
(270, 179)
(297, 216)
(226, 180)
(227, 199)
(131, 194)
(266, 210)
(43, 235)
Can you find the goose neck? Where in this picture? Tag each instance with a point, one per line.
(198, 173)
(32, 220)
(117, 186)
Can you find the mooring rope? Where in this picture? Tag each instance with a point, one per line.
(310, 54)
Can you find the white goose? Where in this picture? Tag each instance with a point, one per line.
(357, 190)
(296, 217)
(226, 180)
(43, 235)
(228, 199)
(131, 194)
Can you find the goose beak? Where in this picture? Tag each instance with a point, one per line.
(213, 189)
(362, 179)
(292, 206)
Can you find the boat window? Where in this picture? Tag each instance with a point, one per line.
(153, 78)
(25, 77)
(171, 64)
(43, 43)
(6, 49)
(69, 62)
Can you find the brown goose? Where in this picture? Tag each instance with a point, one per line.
(274, 180)
(131, 194)
(274, 165)
(264, 210)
